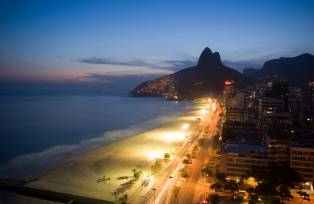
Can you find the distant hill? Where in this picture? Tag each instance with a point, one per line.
(297, 70)
(207, 77)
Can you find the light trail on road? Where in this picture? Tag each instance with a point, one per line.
(163, 184)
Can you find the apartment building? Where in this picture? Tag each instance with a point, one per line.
(238, 159)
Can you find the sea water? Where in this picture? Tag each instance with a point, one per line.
(39, 130)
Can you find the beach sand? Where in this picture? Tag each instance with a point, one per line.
(79, 175)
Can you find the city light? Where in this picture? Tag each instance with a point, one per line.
(228, 83)
(155, 155)
(173, 137)
(251, 182)
(185, 126)
(203, 111)
(214, 106)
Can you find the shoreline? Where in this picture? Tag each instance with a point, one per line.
(24, 167)
(79, 174)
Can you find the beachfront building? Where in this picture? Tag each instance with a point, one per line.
(302, 158)
(238, 159)
(278, 142)
(237, 114)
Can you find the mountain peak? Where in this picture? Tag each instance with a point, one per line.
(208, 59)
(207, 77)
(306, 55)
(207, 51)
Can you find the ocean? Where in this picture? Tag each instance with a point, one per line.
(41, 130)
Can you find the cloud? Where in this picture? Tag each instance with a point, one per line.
(165, 64)
(111, 84)
(116, 81)
(109, 61)
(180, 64)
(161, 67)
(134, 71)
(112, 79)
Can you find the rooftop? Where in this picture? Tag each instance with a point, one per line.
(244, 137)
(304, 140)
(244, 148)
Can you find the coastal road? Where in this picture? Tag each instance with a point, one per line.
(162, 190)
(187, 189)
(167, 178)
(187, 193)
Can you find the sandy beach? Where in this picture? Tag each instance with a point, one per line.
(100, 172)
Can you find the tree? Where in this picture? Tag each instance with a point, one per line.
(122, 200)
(284, 175)
(184, 173)
(284, 193)
(232, 185)
(137, 173)
(221, 177)
(166, 155)
(186, 161)
(207, 171)
(195, 150)
(213, 198)
(275, 181)
(266, 189)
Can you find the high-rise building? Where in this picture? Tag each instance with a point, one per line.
(302, 156)
(238, 159)
(228, 92)
(237, 114)
(268, 106)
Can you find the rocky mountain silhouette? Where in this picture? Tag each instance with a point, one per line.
(297, 70)
(206, 78)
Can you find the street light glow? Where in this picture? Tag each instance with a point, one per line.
(155, 155)
(251, 181)
(172, 137)
(185, 126)
(214, 106)
(203, 111)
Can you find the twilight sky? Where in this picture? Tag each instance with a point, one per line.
(75, 40)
